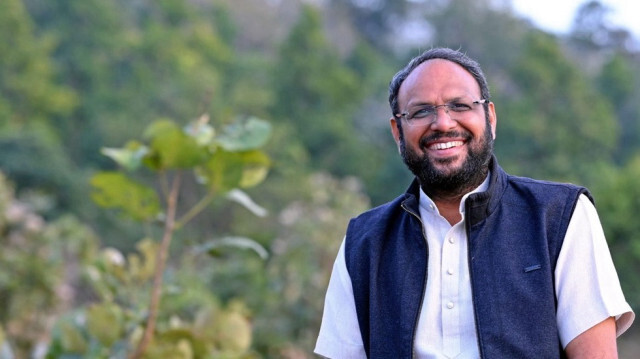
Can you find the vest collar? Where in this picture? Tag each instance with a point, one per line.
(478, 205)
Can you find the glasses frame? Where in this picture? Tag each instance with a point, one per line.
(404, 115)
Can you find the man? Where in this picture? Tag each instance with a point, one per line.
(470, 262)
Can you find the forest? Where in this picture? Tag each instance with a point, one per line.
(176, 176)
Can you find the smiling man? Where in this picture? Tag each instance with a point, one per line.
(470, 262)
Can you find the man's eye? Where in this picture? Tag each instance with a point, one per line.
(423, 112)
(459, 107)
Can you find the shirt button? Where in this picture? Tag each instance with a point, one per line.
(451, 240)
(449, 271)
(450, 305)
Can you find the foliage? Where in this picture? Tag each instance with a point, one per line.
(43, 258)
(549, 138)
(617, 200)
(31, 104)
(154, 59)
(32, 159)
(28, 92)
(292, 283)
(591, 29)
(315, 97)
(77, 77)
(223, 162)
(194, 324)
(617, 82)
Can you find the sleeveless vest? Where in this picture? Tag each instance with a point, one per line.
(515, 231)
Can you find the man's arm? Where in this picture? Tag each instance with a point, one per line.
(598, 341)
(587, 287)
(339, 335)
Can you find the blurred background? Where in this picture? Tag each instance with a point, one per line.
(77, 76)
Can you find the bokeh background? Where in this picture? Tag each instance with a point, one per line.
(78, 76)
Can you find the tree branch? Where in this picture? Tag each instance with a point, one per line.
(163, 252)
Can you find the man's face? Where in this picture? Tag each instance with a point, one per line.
(451, 154)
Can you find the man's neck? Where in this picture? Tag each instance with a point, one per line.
(448, 202)
(448, 206)
(450, 211)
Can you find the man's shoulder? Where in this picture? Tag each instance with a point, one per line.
(546, 189)
(384, 209)
(376, 221)
(542, 184)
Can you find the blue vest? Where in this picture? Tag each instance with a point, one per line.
(515, 231)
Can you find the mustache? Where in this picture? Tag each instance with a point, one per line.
(440, 135)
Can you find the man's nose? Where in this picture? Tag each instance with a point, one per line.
(442, 120)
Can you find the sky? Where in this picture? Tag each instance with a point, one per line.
(557, 15)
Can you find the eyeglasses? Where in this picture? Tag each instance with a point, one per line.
(427, 114)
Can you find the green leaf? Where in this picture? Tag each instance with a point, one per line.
(115, 190)
(242, 198)
(172, 148)
(214, 247)
(255, 166)
(228, 170)
(142, 266)
(234, 332)
(104, 322)
(222, 172)
(200, 130)
(177, 343)
(130, 157)
(71, 339)
(243, 136)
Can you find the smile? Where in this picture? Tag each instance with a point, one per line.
(445, 145)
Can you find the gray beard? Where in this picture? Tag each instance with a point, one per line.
(450, 183)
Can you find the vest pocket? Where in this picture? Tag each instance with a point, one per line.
(532, 268)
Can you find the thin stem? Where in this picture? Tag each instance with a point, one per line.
(197, 208)
(163, 252)
(164, 185)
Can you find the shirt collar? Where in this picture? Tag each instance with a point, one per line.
(427, 203)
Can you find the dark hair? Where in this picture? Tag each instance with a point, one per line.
(457, 57)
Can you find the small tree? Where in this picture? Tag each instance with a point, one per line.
(222, 162)
(38, 260)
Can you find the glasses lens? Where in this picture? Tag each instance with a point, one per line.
(425, 115)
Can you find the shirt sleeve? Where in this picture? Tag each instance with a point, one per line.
(339, 336)
(587, 285)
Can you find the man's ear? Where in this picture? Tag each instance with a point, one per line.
(395, 131)
(493, 119)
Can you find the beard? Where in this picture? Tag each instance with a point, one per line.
(444, 180)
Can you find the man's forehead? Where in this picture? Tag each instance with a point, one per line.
(437, 75)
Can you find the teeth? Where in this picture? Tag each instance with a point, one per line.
(445, 145)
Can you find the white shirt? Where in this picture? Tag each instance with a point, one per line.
(587, 289)
(449, 284)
